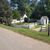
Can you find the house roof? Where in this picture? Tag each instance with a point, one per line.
(45, 17)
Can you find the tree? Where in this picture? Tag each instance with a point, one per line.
(16, 14)
(33, 8)
(41, 9)
(48, 8)
(23, 6)
(5, 11)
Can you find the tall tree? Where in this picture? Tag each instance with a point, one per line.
(23, 6)
(48, 8)
(40, 9)
(5, 11)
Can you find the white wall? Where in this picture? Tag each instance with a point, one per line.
(43, 21)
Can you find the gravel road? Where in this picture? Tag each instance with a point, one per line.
(13, 41)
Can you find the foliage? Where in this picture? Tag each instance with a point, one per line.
(5, 11)
(41, 9)
(33, 9)
(48, 8)
(16, 14)
(23, 6)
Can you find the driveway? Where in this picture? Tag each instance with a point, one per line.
(13, 41)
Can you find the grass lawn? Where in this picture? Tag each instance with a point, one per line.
(27, 32)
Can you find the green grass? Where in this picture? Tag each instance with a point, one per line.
(37, 26)
(19, 23)
(27, 32)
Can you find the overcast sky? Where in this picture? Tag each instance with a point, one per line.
(38, 0)
(9, 1)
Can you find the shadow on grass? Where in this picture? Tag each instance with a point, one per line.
(43, 34)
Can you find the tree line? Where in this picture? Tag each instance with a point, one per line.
(16, 9)
(5, 12)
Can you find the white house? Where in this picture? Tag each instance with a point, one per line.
(44, 20)
(15, 21)
(25, 16)
(18, 21)
(22, 19)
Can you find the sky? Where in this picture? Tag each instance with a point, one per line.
(38, 0)
(9, 1)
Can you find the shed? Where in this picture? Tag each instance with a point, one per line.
(44, 20)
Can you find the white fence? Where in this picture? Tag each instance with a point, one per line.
(25, 25)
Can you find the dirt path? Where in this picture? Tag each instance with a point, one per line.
(13, 41)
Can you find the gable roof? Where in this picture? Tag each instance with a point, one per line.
(44, 17)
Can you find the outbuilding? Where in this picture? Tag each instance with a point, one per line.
(44, 20)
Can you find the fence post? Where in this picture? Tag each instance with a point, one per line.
(41, 29)
(48, 31)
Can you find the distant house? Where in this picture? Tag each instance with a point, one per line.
(44, 20)
(15, 21)
(23, 18)
(18, 21)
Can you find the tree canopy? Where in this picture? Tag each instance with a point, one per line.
(33, 8)
(5, 11)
